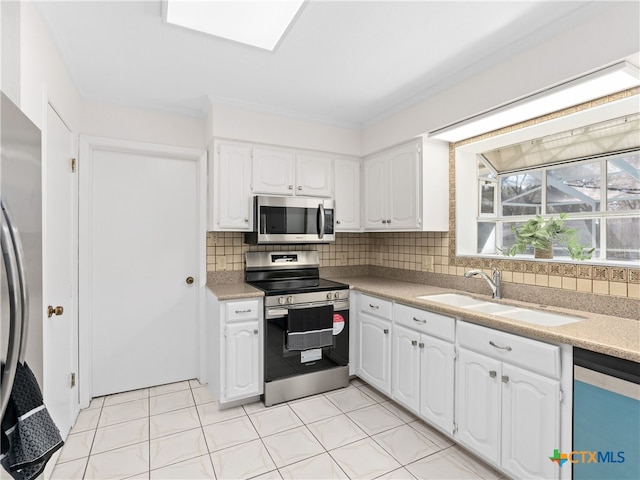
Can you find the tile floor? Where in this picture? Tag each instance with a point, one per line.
(177, 431)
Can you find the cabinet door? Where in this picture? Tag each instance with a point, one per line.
(437, 381)
(406, 367)
(242, 350)
(273, 171)
(530, 423)
(404, 180)
(375, 193)
(374, 359)
(478, 404)
(347, 194)
(314, 175)
(232, 192)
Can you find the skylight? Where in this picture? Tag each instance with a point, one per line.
(260, 23)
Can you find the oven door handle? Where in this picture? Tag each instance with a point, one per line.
(321, 221)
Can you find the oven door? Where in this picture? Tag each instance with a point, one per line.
(292, 220)
(305, 339)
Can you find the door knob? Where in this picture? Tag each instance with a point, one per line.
(189, 280)
(51, 311)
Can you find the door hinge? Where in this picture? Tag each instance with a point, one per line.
(73, 165)
(455, 428)
(225, 331)
(561, 395)
(455, 353)
(73, 380)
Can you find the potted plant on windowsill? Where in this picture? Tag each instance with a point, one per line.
(542, 233)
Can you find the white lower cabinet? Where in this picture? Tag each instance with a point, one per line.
(508, 414)
(374, 347)
(423, 365)
(235, 349)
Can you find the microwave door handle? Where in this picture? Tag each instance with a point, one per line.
(321, 221)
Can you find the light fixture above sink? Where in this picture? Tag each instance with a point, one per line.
(547, 319)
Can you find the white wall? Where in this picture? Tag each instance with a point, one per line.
(234, 123)
(10, 50)
(600, 41)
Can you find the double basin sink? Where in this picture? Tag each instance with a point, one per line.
(548, 319)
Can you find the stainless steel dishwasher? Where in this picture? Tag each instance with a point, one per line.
(606, 417)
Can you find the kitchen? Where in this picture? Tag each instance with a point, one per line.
(379, 253)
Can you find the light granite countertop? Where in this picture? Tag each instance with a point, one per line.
(616, 336)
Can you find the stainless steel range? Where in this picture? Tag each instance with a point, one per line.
(306, 325)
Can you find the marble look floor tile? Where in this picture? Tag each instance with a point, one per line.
(292, 446)
(350, 399)
(274, 420)
(120, 435)
(374, 419)
(97, 402)
(441, 466)
(432, 434)
(124, 412)
(76, 445)
(171, 401)
(473, 463)
(319, 467)
(169, 388)
(400, 412)
(399, 474)
(195, 383)
(177, 448)
(193, 469)
(373, 393)
(211, 413)
(336, 431)
(173, 422)
(73, 470)
(233, 462)
(229, 433)
(87, 420)
(364, 459)
(272, 475)
(356, 382)
(405, 444)
(202, 395)
(123, 397)
(120, 463)
(314, 409)
(255, 407)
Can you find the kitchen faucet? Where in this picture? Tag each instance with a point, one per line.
(494, 284)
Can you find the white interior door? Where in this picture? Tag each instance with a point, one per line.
(60, 274)
(142, 234)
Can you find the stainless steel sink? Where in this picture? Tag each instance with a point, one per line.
(547, 319)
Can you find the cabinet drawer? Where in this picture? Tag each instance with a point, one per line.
(423, 321)
(243, 310)
(531, 354)
(375, 306)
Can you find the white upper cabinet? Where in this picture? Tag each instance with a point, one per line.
(347, 194)
(314, 175)
(230, 194)
(273, 171)
(406, 188)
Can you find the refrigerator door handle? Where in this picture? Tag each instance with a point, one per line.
(16, 305)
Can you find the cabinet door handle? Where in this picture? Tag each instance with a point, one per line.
(507, 348)
(338, 222)
(300, 187)
(384, 221)
(421, 345)
(246, 220)
(389, 221)
(493, 374)
(418, 320)
(386, 331)
(505, 378)
(375, 307)
(255, 331)
(290, 187)
(414, 343)
(248, 310)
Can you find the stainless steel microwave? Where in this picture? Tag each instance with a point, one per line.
(292, 220)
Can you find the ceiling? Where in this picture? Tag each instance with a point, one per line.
(348, 63)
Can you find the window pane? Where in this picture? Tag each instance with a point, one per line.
(487, 204)
(521, 194)
(574, 188)
(623, 183)
(622, 238)
(486, 237)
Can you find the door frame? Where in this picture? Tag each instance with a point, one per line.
(87, 146)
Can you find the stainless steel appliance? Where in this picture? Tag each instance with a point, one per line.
(292, 220)
(306, 321)
(606, 417)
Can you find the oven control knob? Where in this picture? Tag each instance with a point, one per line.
(336, 295)
(281, 300)
(329, 296)
(290, 299)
